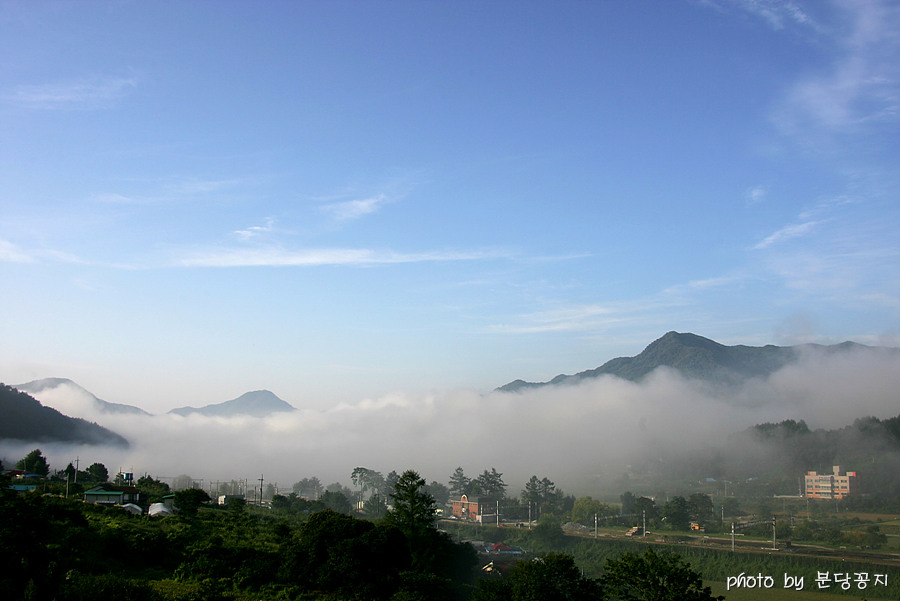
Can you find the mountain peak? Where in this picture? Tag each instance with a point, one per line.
(39, 387)
(257, 403)
(45, 383)
(691, 355)
(684, 339)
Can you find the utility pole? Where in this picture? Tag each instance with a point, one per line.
(76, 469)
(260, 490)
(773, 532)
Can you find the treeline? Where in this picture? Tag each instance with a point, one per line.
(771, 458)
(52, 548)
(869, 446)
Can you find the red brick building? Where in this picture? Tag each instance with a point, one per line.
(479, 509)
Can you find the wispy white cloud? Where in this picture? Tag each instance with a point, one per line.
(196, 186)
(789, 232)
(10, 253)
(170, 190)
(113, 198)
(561, 319)
(90, 93)
(828, 204)
(862, 86)
(755, 195)
(353, 209)
(594, 318)
(255, 231)
(777, 13)
(706, 284)
(280, 257)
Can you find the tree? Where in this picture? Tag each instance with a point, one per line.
(309, 487)
(338, 487)
(584, 509)
(365, 479)
(440, 492)
(653, 577)
(353, 558)
(34, 463)
(315, 485)
(189, 500)
(182, 481)
(431, 551)
(414, 508)
(231, 487)
(701, 507)
(550, 577)
(542, 493)
(676, 513)
(389, 482)
(731, 507)
(97, 472)
(375, 506)
(335, 501)
(152, 491)
(491, 484)
(237, 506)
(280, 502)
(459, 483)
(645, 507)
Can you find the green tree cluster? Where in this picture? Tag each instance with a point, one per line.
(542, 494)
(309, 488)
(34, 463)
(189, 500)
(550, 577)
(585, 508)
(152, 490)
(653, 577)
(488, 484)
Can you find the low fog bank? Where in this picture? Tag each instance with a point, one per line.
(581, 436)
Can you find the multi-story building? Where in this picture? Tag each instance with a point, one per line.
(479, 509)
(831, 486)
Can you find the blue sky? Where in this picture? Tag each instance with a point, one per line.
(340, 200)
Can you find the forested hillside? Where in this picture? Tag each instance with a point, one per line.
(22, 417)
(772, 458)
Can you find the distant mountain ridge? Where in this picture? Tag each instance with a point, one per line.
(258, 403)
(699, 358)
(22, 417)
(36, 387)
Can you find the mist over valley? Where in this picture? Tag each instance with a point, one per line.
(593, 434)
